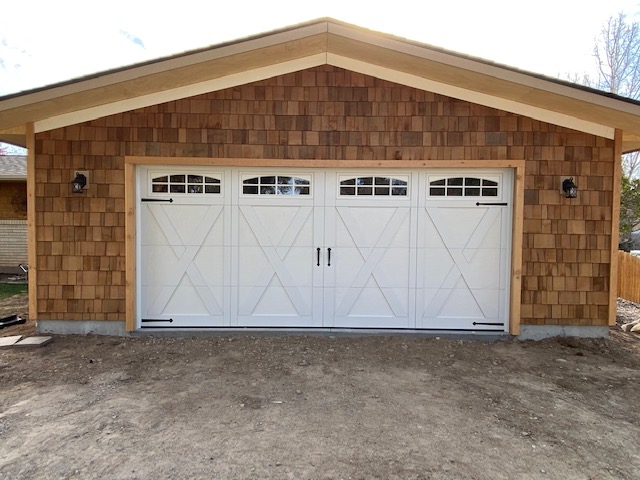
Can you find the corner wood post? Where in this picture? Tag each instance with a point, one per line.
(31, 221)
(517, 226)
(130, 245)
(615, 227)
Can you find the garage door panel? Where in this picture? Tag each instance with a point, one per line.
(369, 282)
(275, 298)
(463, 252)
(154, 268)
(210, 264)
(183, 225)
(489, 302)
(411, 258)
(387, 302)
(370, 227)
(461, 323)
(166, 265)
(258, 271)
(192, 223)
(481, 265)
(480, 269)
(462, 302)
(443, 304)
(275, 305)
(436, 267)
(294, 268)
(276, 225)
(160, 292)
(462, 227)
(186, 307)
(185, 299)
(451, 302)
(153, 234)
(443, 268)
(274, 259)
(183, 274)
(389, 267)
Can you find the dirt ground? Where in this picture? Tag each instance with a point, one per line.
(320, 407)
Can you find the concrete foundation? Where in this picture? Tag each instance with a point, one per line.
(540, 332)
(71, 327)
(117, 328)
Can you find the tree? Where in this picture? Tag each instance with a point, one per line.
(617, 55)
(629, 210)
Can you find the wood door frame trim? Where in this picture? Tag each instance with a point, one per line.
(321, 163)
(130, 163)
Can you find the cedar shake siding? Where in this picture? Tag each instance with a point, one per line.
(324, 113)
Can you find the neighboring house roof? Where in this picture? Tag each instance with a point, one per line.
(320, 42)
(13, 167)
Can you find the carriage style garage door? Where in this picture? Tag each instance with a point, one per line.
(400, 249)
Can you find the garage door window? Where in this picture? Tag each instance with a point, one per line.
(373, 186)
(186, 183)
(276, 185)
(463, 187)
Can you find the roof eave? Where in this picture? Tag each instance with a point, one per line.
(320, 37)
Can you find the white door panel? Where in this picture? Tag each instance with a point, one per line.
(370, 281)
(463, 247)
(400, 255)
(275, 254)
(183, 273)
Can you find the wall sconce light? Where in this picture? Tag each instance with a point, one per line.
(570, 188)
(79, 183)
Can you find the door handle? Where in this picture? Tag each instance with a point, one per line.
(328, 257)
(318, 252)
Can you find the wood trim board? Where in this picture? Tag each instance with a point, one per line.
(252, 162)
(32, 251)
(615, 226)
(130, 246)
(515, 300)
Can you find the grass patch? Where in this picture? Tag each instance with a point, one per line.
(10, 289)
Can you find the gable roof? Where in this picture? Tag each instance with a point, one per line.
(323, 41)
(13, 167)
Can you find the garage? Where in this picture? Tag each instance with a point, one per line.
(323, 176)
(323, 248)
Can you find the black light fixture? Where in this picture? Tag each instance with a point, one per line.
(570, 188)
(78, 183)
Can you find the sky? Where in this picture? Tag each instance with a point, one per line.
(49, 41)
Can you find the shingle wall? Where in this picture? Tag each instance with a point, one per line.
(324, 113)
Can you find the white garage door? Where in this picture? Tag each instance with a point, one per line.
(323, 248)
